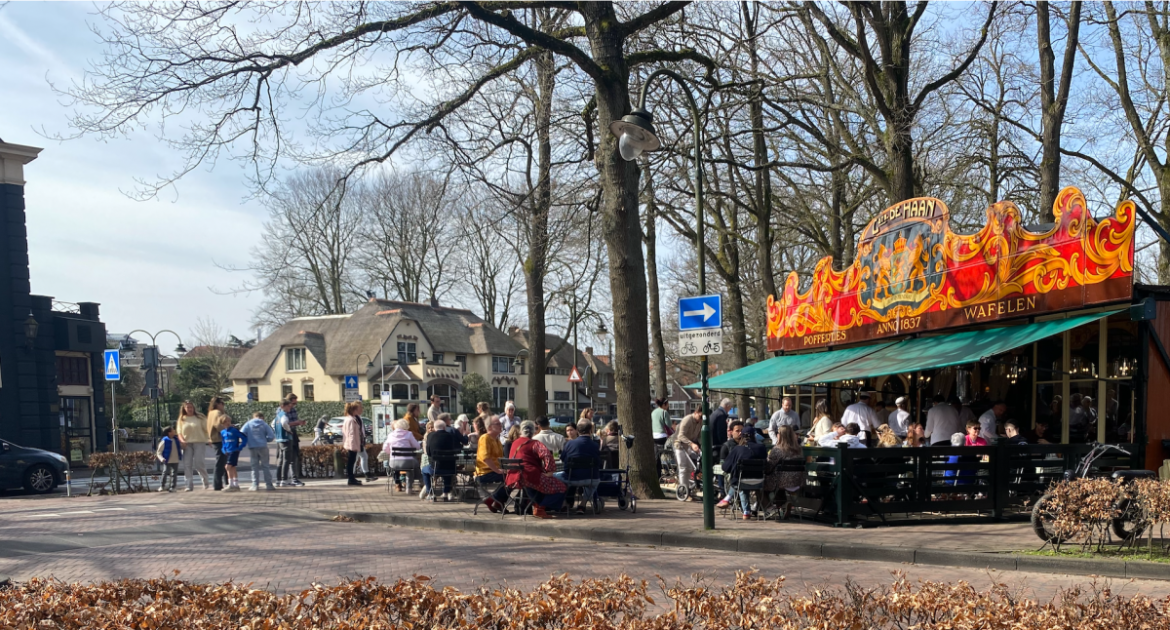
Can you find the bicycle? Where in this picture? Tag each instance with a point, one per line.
(1129, 523)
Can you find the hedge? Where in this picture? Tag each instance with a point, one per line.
(308, 411)
(561, 603)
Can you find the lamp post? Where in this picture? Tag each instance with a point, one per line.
(602, 335)
(31, 326)
(152, 384)
(635, 132)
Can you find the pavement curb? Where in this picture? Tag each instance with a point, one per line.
(772, 546)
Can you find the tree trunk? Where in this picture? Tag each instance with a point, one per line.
(623, 240)
(651, 240)
(534, 267)
(1053, 101)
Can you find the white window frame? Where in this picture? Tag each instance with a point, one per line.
(293, 356)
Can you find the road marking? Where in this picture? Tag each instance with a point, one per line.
(36, 515)
(109, 509)
(74, 513)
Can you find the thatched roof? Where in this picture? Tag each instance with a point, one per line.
(336, 341)
(563, 358)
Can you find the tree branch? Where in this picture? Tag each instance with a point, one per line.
(535, 37)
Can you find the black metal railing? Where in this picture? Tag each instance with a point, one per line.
(845, 485)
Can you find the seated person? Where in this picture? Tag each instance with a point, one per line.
(1013, 435)
(581, 446)
(439, 440)
(487, 464)
(402, 438)
(552, 441)
(745, 450)
(852, 436)
(780, 474)
(829, 440)
(973, 437)
(915, 435)
(609, 444)
(735, 437)
(537, 470)
(1039, 435)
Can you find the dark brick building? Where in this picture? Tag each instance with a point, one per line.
(51, 377)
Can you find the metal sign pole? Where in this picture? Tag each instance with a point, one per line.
(114, 414)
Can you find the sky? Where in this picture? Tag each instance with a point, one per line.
(151, 265)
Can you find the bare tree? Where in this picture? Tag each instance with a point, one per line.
(1053, 98)
(303, 262)
(489, 271)
(407, 251)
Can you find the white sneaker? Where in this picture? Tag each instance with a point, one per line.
(423, 495)
(162, 489)
(232, 489)
(254, 489)
(447, 497)
(189, 490)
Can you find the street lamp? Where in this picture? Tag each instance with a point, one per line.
(31, 326)
(358, 363)
(601, 332)
(179, 349)
(636, 135)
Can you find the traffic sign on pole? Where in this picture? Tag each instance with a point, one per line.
(113, 362)
(351, 388)
(700, 312)
(574, 376)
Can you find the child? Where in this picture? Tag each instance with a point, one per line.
(259, 435)
(170, 453)
(233, 442)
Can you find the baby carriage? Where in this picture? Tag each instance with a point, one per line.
(615, 484)
(683, 491)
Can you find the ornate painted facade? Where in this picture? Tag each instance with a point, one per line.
(912, 273)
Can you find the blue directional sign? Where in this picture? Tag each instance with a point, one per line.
(351, 382)
(112, 360)
(697, 313)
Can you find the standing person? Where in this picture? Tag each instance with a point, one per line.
(363, 456)
(483, 413)
(660, 422)
(899, 421)
(233, 441)
(965, 413)
(510, 419)
(718, 421)
(170, 453)
(284, 453)
(552, 440)
(942, 422)
(991, 419)
(294, 423)
(586, 414)
(411, 418)
(435, 409)
(217, 421)
(861, 414)
(822, 425)
(319, 430)
(351, 440)
(259, 435)
(192, 430)
(785, 416)
(686, 441)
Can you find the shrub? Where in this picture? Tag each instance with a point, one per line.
(130, 471)
(619, 603)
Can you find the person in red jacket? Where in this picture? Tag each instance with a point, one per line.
(537, 470)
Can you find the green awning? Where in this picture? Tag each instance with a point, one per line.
(928, 353)
(788, 369)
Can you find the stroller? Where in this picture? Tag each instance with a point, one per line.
(683, 491)
(615, 484)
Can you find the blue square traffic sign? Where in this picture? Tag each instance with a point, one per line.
(112, 362)
(697, 313)
(351, 382)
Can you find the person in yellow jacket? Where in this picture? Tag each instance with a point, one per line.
(192, 429)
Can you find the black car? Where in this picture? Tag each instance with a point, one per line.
(33, 469)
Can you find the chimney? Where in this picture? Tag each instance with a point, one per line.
(589, 350)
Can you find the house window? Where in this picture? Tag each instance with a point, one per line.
(613, 410)
(461, 359)
(438, 358)
(678, 409)
(285, 390)
(561, 396)
(550, 370)
(307, 392)
(502, 365)
(501, 395)
(72, 371)
(414, 392)
(253, 393)
(407, 352)
(563, 409)
(294, 360)
(400, 391)
(603, 381)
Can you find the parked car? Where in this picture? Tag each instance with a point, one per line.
(333, 427)
(34, 469)
(560, 421)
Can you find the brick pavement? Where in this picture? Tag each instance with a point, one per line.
(328, 551)
(668, 515)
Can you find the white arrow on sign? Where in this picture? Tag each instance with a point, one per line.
(707, 312)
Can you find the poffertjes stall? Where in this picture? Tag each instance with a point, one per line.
(1045, 319)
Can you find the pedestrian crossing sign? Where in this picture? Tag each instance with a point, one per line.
(574, 376)
(113, 362)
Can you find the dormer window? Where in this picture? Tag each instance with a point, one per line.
(295, 360)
